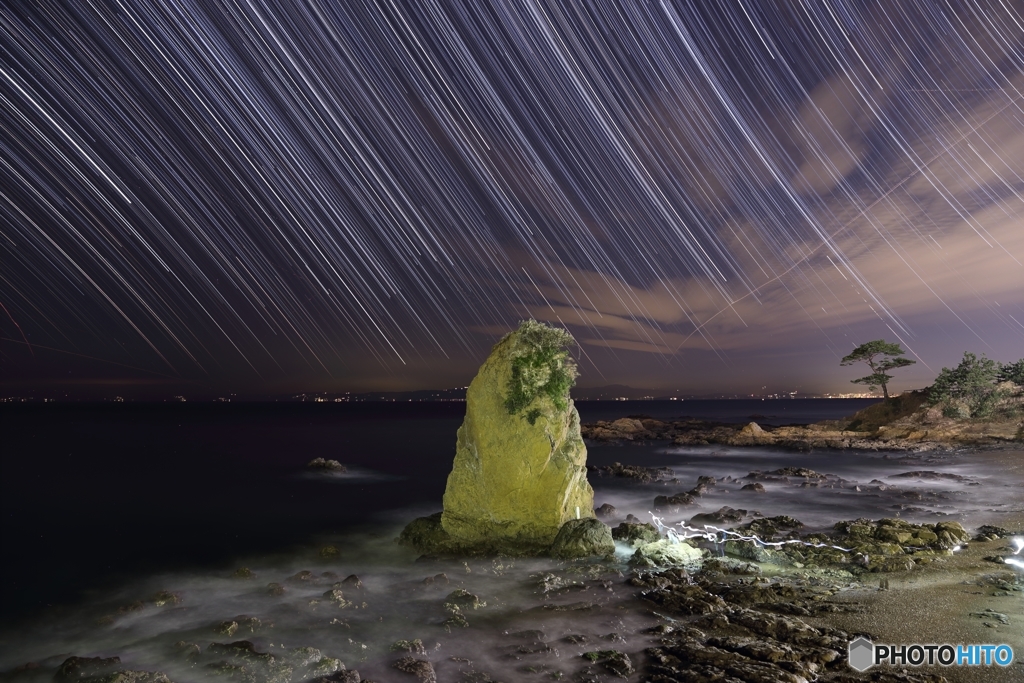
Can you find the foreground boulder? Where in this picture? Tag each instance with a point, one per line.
(520, 464)
(583, 538)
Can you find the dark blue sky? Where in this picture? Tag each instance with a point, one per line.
(712, 196)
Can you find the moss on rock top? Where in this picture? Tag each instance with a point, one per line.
(541, 367)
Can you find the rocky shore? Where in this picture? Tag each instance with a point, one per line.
(903, 423)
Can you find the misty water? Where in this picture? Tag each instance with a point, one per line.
(223, 501)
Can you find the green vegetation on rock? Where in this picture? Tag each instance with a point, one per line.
(541, 366)
(1012, 372)
(977, 387)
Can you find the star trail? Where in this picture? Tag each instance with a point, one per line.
(367, 193)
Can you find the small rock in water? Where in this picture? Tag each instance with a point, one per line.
(166, 598)
(411, 646)
(929, 475)
(757, 487)
(665, 553)
(605, 511)
(614, 661)
(326, 465)
(635, 534)
(987, 532)
(552, 583)
(74, 668)
(725, 514)
(420, 668)
(226, 628)
(673, 503)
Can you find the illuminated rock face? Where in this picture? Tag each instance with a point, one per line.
(520, 464)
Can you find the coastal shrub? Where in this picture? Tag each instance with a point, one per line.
(541, 366)
(969, 389)
(886, 412)
(1012, 372)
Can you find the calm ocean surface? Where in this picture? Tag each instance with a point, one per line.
(96, 495)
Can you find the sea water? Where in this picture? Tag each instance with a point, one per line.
(106, 507)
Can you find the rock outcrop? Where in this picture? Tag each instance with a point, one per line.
(520, 464)
(902, 423)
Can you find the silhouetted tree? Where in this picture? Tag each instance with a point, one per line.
(880, 356)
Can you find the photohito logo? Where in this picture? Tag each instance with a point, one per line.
(863, 654)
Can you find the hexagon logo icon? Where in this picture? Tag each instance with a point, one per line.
(861, 654)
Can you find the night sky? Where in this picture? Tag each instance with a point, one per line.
(713, 195)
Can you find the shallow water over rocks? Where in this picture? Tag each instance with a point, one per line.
(359, 600)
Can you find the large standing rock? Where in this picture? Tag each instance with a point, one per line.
(520, 465)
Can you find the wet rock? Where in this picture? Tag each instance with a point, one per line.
(635, 534)
(460, 600)
(614, 661)
(226, 628)
(552, 583)
(329, 552)
(529, 649)
(749, 550)
(771, 528)
(436, 579)
(673, 503)
(420, 668)
(414, 647)
(928, 475)
(987, 532)
(77, 668)
(666, 553)
(757, 487)
(643, 475)
(187, 651)
(244, 662)
(323, 465)
(992, 615)
(244, 573)
(341, 676)
(275, 589)
(728, 565)
(580, 538)
(724, 515)
(328, 668)
(571, 607)
(427, 535)
(628, 426)
(605, 511)
(166, 598)
(455, 620)
(337, 597)
(684, 598)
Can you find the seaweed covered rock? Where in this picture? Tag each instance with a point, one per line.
(520, 464)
